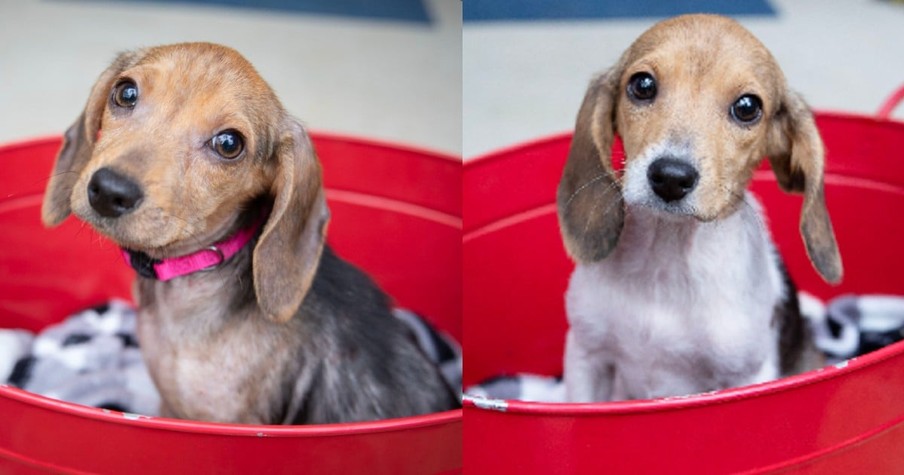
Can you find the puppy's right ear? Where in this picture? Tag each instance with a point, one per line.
(78, 144)
(589, 200)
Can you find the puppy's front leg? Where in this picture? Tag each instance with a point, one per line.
(588, 378)
(165, 411)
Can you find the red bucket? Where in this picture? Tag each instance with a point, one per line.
(847, 418)
(396, 213)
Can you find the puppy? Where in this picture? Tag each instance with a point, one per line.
(187, 160)
(678, 288)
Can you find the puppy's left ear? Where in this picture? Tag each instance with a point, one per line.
(288, 251)
(797, 157)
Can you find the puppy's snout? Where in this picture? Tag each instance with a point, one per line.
(113, 195)
(672, 179)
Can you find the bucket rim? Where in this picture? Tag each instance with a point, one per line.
(505, 151)
(227, 429)
(694, 401)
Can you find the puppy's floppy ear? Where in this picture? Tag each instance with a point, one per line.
(78, 143)
(589, 200)
(288, 252)
(798, 159)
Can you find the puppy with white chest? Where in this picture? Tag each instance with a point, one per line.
(187, 160)
(678, 288)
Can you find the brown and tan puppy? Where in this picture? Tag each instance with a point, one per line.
(183, 150)
(678, 287)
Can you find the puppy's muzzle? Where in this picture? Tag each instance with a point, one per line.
(672, 179)
(113, 195)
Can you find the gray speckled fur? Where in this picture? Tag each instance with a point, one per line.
(343, 357)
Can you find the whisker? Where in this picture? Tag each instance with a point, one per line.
(53, 175)
(584, 186)
(612, 203)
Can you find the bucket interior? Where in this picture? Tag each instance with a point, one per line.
(843, 418)
(395, 213)
(517, 270)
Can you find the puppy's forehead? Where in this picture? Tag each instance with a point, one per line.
(199, 68)
(689, 30)
(705, 44)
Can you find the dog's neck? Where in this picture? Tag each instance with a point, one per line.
(200, 303)
(651, 238)
(202, 260)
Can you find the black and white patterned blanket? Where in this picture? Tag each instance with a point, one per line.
(843, 328)
(92, 358)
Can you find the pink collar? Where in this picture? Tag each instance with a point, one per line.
(206, 259)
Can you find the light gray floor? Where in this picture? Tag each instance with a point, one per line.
(526, 80)
(494, 85)
(388, 80)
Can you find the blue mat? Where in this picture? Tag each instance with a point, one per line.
(395, 10)
(521, 10)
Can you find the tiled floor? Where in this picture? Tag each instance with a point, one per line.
(389, 79)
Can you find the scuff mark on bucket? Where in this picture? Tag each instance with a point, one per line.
(500, 405)
(133, 417)
(679, 397)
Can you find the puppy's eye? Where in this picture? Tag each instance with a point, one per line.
(642, 87)
(125, 94)
(228, 144)
(747, 109)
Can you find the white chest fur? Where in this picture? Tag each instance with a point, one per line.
(679, 307)
(207, 360)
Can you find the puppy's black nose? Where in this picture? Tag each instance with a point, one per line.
(111, 194)
(672, 179)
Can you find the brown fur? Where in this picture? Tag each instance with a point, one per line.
(284, 332)
(176, 219)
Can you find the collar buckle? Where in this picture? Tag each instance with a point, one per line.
(220, 259)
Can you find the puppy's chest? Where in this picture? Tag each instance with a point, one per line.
(682, 321)
(664, 344)
(208, 360)
(695, 311)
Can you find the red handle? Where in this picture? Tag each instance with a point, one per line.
(889, 105)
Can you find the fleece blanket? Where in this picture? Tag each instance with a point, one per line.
(93, 358)
(843, 328)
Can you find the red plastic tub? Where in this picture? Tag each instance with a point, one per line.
(843, 419)
(396, 213)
